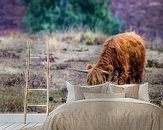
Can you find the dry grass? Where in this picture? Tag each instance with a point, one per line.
(18, 41)
(58, 40)
(156, 44)
(13, 41)
(11, 100)
(8, 69)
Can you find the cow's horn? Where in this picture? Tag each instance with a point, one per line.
(84, 71)
(105, 72)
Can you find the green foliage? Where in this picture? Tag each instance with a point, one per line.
(154, 64)
(52, 15)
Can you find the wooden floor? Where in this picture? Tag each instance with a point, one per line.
(17, 126)
(16, 121)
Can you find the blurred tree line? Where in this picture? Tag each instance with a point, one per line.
(52, 15)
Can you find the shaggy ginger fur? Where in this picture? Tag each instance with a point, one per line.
(123, 56)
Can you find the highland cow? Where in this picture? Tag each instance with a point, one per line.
(121, 60)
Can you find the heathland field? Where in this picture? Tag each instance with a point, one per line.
(68, 49)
